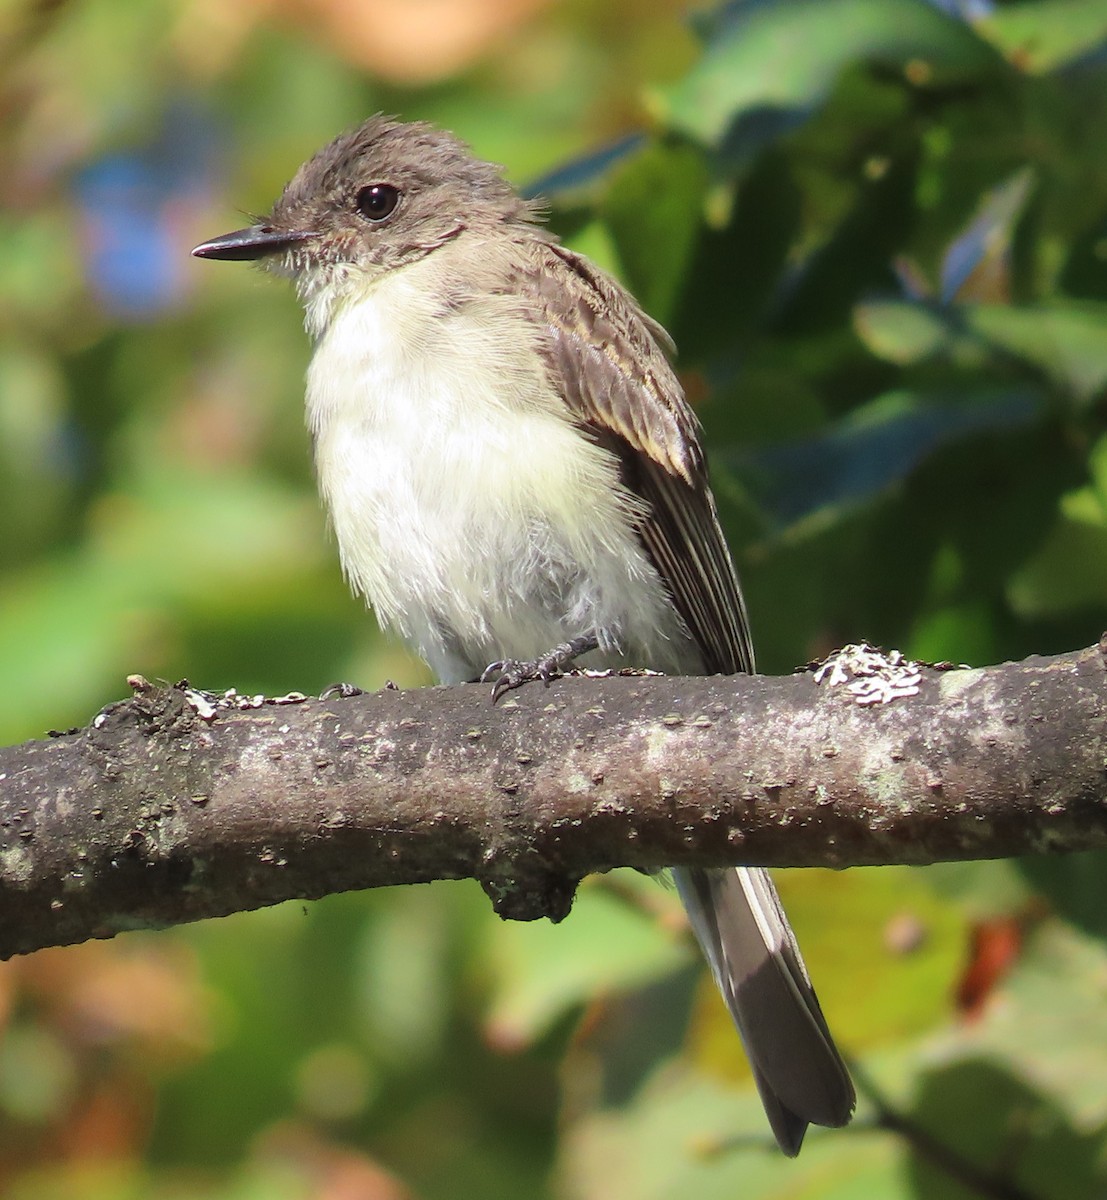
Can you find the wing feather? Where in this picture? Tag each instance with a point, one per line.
(610, 361)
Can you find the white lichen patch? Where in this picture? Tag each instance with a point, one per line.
(204, 704)
(16, 864)
(871, 675)
(208, 705)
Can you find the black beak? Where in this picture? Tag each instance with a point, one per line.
(255, 242)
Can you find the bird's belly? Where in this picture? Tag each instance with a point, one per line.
(496, 535)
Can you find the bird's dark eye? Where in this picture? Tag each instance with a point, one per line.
(377, 201)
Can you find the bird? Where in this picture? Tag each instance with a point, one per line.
(517, 482)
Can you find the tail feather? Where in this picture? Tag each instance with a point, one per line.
(738, 919)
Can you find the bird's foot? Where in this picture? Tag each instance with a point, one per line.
(506, 674)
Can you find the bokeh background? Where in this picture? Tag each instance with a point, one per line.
(878, 232)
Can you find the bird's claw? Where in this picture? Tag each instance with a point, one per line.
(506, 674)
(511, 673)
(341, 691)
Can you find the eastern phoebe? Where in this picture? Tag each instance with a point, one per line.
(515, 477)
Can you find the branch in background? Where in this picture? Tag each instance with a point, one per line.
(154, 815)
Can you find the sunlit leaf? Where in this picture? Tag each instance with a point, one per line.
(770, 65)
(1043, 35)
(907, 332)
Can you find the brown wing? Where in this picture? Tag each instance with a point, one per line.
(609, 359)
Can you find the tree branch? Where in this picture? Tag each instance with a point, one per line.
(153, 815)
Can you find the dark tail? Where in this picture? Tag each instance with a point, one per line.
(738, 919)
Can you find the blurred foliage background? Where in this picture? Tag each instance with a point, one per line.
(878, 232)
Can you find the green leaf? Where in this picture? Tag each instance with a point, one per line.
(183, 541)
(1067, 573)
(1076, 885)
(855, 258)
(980, 1119)
(875, 446)
(1067, 340)
(1047, 1025)
(686, 1134)
(1041, 35)
(543, 970)
(904, 332)
(773, 63)
(983, 890)
(1068, 570)
(654, 208)
(737, 264)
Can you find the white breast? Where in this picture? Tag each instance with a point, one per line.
(477, 521)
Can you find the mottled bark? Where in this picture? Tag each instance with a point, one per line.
(154, 815)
